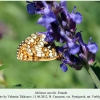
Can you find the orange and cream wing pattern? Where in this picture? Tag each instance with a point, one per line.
(35, 48)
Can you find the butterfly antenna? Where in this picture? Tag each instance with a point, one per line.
(55, 72)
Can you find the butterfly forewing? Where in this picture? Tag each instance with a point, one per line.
(35, 48)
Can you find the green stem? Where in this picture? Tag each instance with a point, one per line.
(93, 75)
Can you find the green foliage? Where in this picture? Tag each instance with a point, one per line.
(3, 67)
(23, 86)
(19, 25)
(96, 68)
(94, 74)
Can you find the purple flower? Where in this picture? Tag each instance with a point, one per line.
(72, 60)
(34, 7)
(71, 18)
(47, 18)
(88, 51)
(63, 5)
(73, 47)
(49, 37)
(61, 27)
(63, 67)
(92, 47)
(31, 8)
(45, 22)
(77, 17)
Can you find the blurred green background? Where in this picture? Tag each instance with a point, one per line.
(16, 24)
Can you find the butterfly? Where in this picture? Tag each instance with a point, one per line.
(35, 48)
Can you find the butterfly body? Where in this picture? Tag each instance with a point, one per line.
(35, 48)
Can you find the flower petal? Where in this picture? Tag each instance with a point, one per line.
(63, 67)
(73, 47)
(49, 37)
(91, 58)
(31, 8)
(45, 21)
(92, 47)
(56, 5)
(77, 17)
(63, 5)
(66, 54)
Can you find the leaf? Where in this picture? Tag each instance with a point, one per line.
(96, 68)
(3, 67)
(94, 71)
(23, 86)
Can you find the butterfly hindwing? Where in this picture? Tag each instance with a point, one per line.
(35, 48)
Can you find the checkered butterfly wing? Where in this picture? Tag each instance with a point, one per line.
(35, 48)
